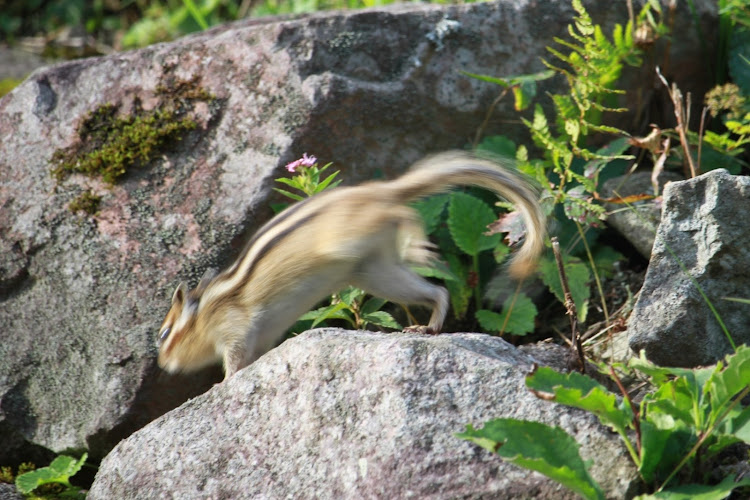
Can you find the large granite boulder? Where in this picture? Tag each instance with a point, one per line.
(343, 414)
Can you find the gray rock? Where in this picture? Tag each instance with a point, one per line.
(703, 225)
(10, 492)
(81, 297)
(344, 414)
(638, 228)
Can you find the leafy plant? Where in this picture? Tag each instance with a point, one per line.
(352, 304)
(672, 436)
(58, 472)
(308, 179)
(569, 170)
(459, 221)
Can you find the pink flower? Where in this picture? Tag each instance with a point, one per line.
(305, 161)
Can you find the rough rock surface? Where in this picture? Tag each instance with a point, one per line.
(343, 414)
(81, 296)
(703, 224)
(638, 228)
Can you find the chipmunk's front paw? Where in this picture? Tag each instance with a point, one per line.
(421, 329)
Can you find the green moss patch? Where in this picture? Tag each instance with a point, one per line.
(111, 142)
(87, 202)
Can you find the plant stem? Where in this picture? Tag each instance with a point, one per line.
(596, 273)
(570, 306)
(636, 415)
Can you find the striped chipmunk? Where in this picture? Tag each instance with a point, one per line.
(365, 236)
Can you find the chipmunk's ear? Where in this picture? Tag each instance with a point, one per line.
(208, 275)
(180, 294)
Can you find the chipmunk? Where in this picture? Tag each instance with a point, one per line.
(364, 236)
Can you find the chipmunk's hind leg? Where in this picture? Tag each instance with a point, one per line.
(396, 282)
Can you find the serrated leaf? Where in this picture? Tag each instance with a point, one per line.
(333, 311)
(536, 446)
(512, 224)
(581, 391)
(382, 318)
(459, 290)
(498, 145)
(431, 210)
(517, 316)
(468, 218)
(698, 491)
(350, 295)
(579, 277)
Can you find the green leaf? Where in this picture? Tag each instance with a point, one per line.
(605, 258)
(517, 321)
(333, 311)
(382, 318)
(437, 270)
(726, 383)
(579, 277)
(431, 210)
(324, 184)
(468, 218)
(373, 304)
(459, 289)
(524, 90)
(736, 424)
(664, 442)
(498, 145)
(288, 194)
(539, 447)
(500, 252)
(503, 82)
(60, 470)
(698, 491)
(351, 295)
(581, 391)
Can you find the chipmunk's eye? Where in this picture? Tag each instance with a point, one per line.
(164, 334)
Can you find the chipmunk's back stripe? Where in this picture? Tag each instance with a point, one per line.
(275, 241)
(274, 222)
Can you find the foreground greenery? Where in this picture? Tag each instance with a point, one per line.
(673, 436)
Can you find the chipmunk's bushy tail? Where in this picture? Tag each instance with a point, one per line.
(438, 173)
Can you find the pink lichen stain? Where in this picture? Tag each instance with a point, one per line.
(192, 241)
(114, 221)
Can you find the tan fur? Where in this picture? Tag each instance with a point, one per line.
(364, 236)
